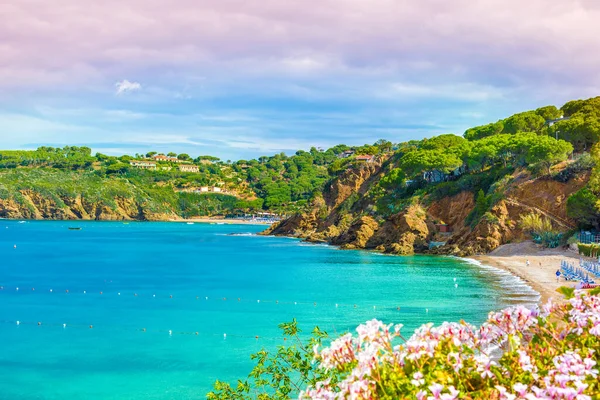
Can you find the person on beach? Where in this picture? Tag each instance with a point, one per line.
(540, 264)
(557, 274)
(527, 263)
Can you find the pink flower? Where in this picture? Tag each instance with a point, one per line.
(520, 388)
(417, 379)
(436, 390)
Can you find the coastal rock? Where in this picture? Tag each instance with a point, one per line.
(403, 233)
(29, 204)
(358, 235)
(452, 210)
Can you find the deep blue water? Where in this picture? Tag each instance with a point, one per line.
(128, 353)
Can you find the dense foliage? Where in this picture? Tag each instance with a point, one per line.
(517, 353)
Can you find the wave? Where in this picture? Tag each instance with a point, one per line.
(514, 289)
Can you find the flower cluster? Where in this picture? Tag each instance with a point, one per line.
(517, 353)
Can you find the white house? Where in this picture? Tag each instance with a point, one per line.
(143, 164)
(189, 168)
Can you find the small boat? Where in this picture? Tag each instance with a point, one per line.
(190, 223)
(74, 228)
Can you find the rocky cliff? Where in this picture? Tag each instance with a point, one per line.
(345, 216)
(33, 205)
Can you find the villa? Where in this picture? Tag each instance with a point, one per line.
(346, 154)
(365, 158)
(143, 164)
(189, 168)
(162, 157)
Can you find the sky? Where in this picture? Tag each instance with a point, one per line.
(245, 78)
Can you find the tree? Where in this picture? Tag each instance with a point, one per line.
(482, 203)
(171, 154)
(549, 112)
(184, 157)
(527, 121)
(117, 168)
(150, 154)
(547, 151)
(581, 130)
(384, 145)
(582, 206)
(589, 107)
(393, 179)
(480, 132)
(417, 162)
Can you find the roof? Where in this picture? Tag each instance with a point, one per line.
(364, 157)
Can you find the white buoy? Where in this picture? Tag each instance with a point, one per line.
(84, 292)
(64, 325)
(50, 290)
(374, 307)
(119, 293)
(17, 289)
(206, 297)
(427, 310)
(454, 279)
(456, 285)
(18, 322)
(15, 246)
(153, 295)
(295, 303)
(224, 336)
(258, 301)
(170, 332)
(336, 306)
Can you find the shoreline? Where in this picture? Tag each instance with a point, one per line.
(228, 221)
(540, 274)
(201, 220)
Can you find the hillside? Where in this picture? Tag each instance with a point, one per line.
(463, 196)
(71, 183)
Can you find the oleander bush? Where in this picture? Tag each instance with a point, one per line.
(518, 353)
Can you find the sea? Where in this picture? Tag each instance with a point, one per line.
(143, 310)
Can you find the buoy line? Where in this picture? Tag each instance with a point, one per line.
(138, 295)
(166, 332)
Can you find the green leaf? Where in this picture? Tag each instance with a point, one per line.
(566, 291)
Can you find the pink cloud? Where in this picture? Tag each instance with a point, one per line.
(76, 42)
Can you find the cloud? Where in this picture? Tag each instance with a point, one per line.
(125, 86)
(234, 74)
(212, 36)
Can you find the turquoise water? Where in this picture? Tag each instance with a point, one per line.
(173, 268)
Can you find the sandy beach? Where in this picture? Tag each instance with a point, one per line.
(543, 263)
(206, 220)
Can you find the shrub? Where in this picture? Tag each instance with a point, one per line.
(516, 353)
(589, 250)
(583, 163)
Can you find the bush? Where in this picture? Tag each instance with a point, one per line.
(582, 164)
(589, 250)
(516, 353)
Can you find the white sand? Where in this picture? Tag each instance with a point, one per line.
(541, 277)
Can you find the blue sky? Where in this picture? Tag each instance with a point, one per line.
(240, 79)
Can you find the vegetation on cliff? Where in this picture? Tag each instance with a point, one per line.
(536, 162)
(549, 149)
